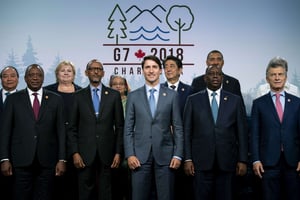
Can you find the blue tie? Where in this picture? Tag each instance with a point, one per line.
(214, 106)
(152, 101)
(96, 101)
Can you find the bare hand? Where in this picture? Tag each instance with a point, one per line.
(189, 168)
(241, 169)
(6, 168)
(258, 169)
(116, 161)
(78, 162)
(298, 168)
(133, 162)
(175, 163)
(60, 168)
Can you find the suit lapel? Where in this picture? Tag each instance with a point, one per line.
(272, 107)
(44, 104)
(104, 99)
(143, 93)
(88, 95)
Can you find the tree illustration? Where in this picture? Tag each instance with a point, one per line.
(30, 55)
(117, 24)
(12, 60)
(180, 18)
(50, 74)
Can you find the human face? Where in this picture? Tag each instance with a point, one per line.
(214, 78)
(9, 79)
(34, 78)
(215, 59)
(65, 74)
(151, 72)
(95, 73)
(276, 77)
(172, 71)
(118, 83)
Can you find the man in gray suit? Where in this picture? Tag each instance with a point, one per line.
(153, 135)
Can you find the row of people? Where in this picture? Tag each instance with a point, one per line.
(153, 142)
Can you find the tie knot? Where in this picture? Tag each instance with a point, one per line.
(7, 93)
(214, 94)
(173, 87)
(95, 89)
(152, 90)
(35, 94)
(277, 95)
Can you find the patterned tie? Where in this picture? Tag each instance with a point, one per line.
(96, 101)
(173, 87)
(279, 106)
(36, 105)
(152, 101)
(214, 106)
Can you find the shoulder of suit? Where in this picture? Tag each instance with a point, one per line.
(227, 77)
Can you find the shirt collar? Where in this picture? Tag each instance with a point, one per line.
(218, 91)
(39, 92)
(176, 84)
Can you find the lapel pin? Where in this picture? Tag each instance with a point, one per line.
(225, 98)
(227, 81)
(164, 94)
(289, 100)
(182, 89)
(106, 92)
(46, 97)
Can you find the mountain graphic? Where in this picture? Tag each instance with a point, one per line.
(157, 13)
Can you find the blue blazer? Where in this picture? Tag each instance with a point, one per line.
(162, 134)
(225, 142)
(268, 135)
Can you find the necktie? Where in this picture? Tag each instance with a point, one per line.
(36, 105)
(7, 93)
(152, 101)
(279, 106)
(96, 101)
(173, 87)
(214, 106)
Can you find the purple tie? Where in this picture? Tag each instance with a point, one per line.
(279, 107)
(36, 105)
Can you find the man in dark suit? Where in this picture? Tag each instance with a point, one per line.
(172, 70)
(216, 145)
(95, 136)
(9, 79)
(230, 84)
(33, 138)
(275, 136)
(153, 135)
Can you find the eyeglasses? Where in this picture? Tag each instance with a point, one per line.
(95, 69)
(118, 84)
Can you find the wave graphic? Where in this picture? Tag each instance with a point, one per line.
(149, 39)
(145, 30)
(143, 33)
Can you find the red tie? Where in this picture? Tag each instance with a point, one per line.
(279, 107)
(36, 105)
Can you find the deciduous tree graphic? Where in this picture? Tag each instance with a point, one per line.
(180, 18)
(117, 24)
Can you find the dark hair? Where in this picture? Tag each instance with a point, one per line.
(214, 51)
(31, 66)
(175, 59)
(9, 67)
(111, 79)
(91, 62)
(151, 57)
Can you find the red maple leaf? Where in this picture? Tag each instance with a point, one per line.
(140, 54)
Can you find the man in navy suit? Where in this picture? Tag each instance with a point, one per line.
(153, 135)
(9, 79)
(275, 136)
(215, 148)
(229, 83)
(95, 135)
(32, 144)
(172, 70)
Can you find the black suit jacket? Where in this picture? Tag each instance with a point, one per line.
(23, 138)
(225, 142)
(230, 84)
(89, 134)
(183, 91)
